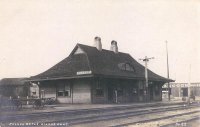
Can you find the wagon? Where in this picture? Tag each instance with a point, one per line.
(38, 103)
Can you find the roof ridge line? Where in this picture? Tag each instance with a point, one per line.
(102, 48)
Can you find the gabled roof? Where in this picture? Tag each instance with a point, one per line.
(12, 81)
(103, 63)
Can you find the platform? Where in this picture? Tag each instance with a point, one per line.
(28, 109)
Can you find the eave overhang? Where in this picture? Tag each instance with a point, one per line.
(97, 75)
(58, 78)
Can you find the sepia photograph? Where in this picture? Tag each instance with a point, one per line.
(99, 63)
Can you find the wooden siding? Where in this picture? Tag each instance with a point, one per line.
(64, 99)
(85, 91)
(109, 86)
(81, 91)
(49, 90)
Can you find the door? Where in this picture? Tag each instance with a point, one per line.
(110, 94)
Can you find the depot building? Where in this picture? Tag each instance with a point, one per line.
(95, 75)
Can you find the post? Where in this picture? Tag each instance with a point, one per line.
(168, 73)
(146, 75)
(116, 96)
(72, 94)
(189, 85)
(179, 93)
(27, 100)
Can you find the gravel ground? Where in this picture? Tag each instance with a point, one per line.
(110, 122)
(176, 121)
(141, 117)
(194, 123)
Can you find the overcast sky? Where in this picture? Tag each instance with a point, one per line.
(35, 35)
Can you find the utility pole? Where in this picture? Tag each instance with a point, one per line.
(189, 86)
(146, 60)
(168, 72)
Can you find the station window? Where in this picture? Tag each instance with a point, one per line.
(60, 93)
(67, 93)
(99, 90)
(34, 93)
(126, 67)
(64, 91)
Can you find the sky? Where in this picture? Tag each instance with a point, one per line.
(37, 34)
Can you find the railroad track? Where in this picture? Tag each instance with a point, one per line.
(78, 112)
(184, 122)
(107, 114)
(108, 117)
(156, 119)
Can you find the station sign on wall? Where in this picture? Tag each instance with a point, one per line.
(83, 72)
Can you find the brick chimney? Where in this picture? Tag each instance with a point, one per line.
(113, 46)
(97, 43)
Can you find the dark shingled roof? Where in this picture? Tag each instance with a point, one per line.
(12, 81)
(102, 63)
